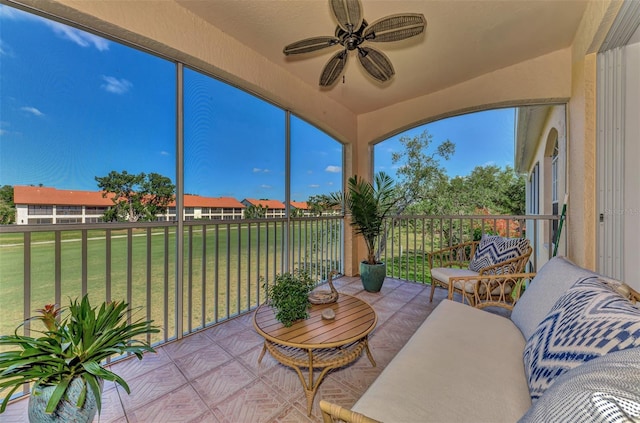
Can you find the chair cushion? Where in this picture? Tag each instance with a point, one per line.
(605, 389)
(444, 273)
(494, 249)
(588, 321)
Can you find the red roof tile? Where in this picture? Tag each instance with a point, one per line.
(223, 202)
(271, 204)
(302, 205)
(53, 196)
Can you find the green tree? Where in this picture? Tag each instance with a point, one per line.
(255, 212)
(420, 175)
(318, 204)
(7, 207)
(497, 190)
(135, 197)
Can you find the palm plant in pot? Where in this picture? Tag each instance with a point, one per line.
(66, 362)
(369, 204)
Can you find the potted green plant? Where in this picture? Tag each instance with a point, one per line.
(369, 204)
(289, 296)
(66, 362)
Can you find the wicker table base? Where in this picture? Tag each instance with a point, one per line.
(316, 344)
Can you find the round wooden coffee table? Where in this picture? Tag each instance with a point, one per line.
(315, 343)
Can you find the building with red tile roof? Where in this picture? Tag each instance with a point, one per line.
(41, 205)
(274, 208)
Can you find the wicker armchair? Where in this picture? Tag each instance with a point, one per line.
(491, 286)
(333, 413)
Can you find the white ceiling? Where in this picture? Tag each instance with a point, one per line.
(463, 39)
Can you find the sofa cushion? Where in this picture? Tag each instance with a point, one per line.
(552, 280)
(494, 249)
(606, 389)
(588, 321)
(458, 352)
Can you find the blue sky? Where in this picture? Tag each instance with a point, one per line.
(74, 106)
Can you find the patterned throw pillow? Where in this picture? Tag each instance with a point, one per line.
(494, 249)
(588, 321)
(604, 390)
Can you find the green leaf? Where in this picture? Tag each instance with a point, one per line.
(57, 395)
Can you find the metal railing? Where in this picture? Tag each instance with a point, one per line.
(226, 265)
(409, 238)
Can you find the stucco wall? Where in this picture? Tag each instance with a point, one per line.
(555, 123)
(540, 80)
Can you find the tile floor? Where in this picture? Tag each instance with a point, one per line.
(214, 376)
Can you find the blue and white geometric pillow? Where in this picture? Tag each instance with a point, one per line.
(587, 321)
(494, 249)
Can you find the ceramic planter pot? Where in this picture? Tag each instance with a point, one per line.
(372, 276)
(67, 411)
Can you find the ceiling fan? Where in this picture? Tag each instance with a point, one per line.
(351, 32)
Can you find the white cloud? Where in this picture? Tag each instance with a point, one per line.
(332, 169)
(81, 38)
(330, 184)
(2, 132)
(115, 85)
(5, 49)
(164, 153)
(314, 186)
(265, 186)
(259, 170)
(8, 12)
(32, 110)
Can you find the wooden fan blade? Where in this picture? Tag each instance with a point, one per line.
(310, 44)
(333, 69)
(395, 27)
(376, 63)
(348, 14)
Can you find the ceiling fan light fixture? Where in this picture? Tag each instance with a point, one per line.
(351, 32)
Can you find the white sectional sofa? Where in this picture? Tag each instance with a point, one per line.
(553, 360)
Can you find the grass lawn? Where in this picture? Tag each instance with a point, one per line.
(221, 277)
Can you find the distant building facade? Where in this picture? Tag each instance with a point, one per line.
(274, 208)
(44, 205)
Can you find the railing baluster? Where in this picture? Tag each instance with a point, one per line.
(148, 284)
(165, 299)
(189, 279)
(203, 279)
(58, 268)
(238, 271)
(83, 252)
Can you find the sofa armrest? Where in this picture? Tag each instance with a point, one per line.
(334, 413)
(491, 290)
(457, 255)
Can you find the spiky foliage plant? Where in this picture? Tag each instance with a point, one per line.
(369, 205)
(75, 343)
